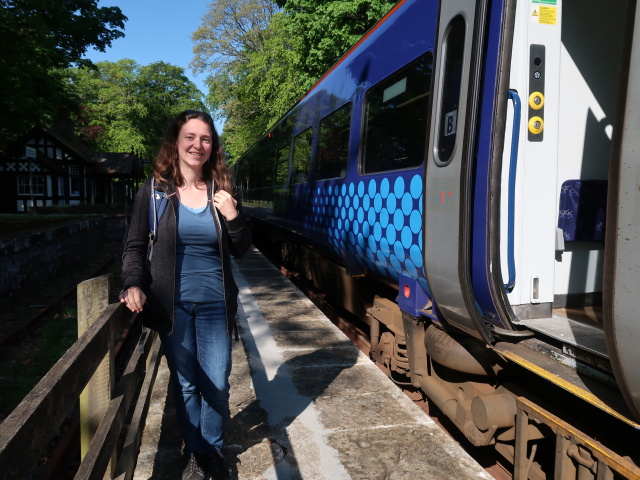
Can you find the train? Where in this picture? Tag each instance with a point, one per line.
(465, 180)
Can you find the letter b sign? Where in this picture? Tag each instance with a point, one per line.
(450, 123)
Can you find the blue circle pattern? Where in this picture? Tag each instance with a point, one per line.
(376, 227)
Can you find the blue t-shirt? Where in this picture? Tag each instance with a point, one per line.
(198, 262)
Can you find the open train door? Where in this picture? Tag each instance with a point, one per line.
(621, 307)
(448, 197)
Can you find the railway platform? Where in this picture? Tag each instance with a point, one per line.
(305, 402)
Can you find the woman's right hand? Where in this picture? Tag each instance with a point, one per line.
(134, 298)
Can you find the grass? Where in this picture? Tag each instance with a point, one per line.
(21, 367)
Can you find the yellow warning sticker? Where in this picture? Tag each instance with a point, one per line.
(548, 15)
(544, 14)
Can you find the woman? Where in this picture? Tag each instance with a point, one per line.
(187, 292)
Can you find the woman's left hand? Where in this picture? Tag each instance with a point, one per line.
(225, 204)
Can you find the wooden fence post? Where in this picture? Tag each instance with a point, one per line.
(93, 297)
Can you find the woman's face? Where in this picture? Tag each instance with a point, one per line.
(194, 144)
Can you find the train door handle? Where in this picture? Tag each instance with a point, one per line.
(513, 163)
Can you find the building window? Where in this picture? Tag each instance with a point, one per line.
(30, 185)
(74, 181)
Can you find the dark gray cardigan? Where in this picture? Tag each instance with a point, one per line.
(158, 281)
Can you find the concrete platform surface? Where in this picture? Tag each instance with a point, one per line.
(305, 402)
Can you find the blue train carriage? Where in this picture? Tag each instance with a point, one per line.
(449, 180)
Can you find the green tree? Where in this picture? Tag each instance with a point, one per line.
(233, 46)
(261, 59)
(327, 29)
(39, 39)
(254, 93)
(166, 91)
(110, 106)
(125, 107)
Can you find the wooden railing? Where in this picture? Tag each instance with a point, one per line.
(80, 376)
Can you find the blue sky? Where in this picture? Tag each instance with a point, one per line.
(157, 30)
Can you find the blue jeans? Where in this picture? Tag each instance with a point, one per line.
(198, 354)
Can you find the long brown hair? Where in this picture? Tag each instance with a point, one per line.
(166, 169)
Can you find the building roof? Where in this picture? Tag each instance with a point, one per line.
(70, 141)
(115, 163)
(98, 163)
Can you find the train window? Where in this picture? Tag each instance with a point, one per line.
(282, 165)
(258, 171)
(267, 169)
(302, 156)
(453, 56)
(264, 179)
(396, 119)
(241, 175)
(253, 176)
(333, 145)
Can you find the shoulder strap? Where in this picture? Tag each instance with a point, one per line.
(157, 206)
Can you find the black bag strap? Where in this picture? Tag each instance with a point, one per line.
(157, 205)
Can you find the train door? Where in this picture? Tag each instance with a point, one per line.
(535, 73)
(621, 310)
(567, 79)
(575, 246)
(447, 234)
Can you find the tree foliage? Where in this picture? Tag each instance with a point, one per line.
(230, 31)
(230, 45)
(125, 107)
(39, 39)
(327, 29)
(262, 55)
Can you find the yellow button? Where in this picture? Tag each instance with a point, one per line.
(536, 100)
(536, 124)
